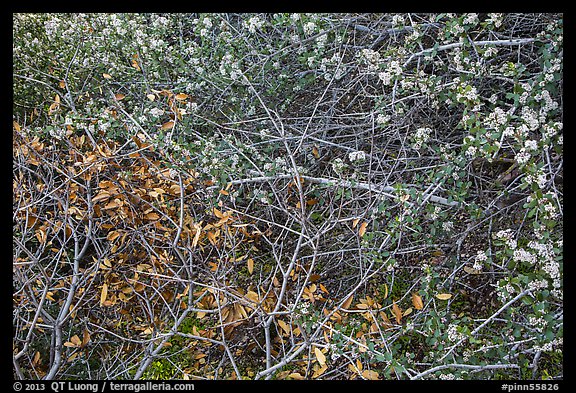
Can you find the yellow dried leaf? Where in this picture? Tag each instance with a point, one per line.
(417, 301)
(102, 195)
(362, 229)
(119, 96)
(355, 222)
(252, 296)
(36, 358)
(107, 76)
(168, 125)
(218, 213)
(444, 296)
(315, 152)
(103, 294)
(348, 302)
(85, 338)
(250, 264)
(470, 270)
(113, 204)
(397, 312)
(181, 96)
(16, 126)
(284, 326)
(295, 376)
(151, 97)
(198, 228)
(370, 374)
(320, 371)
(112, 235)
(151, 216)
(320, 356)
(385, 291)
(76, 340)
(408, 311)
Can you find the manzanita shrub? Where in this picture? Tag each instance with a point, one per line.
(288, 196)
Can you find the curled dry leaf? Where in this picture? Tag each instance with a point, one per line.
(417, 301)
(362, 229)
(370, 374)
(397, 311)
(320, 356)
(168, 125)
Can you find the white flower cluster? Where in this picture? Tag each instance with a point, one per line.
(507, 237)
(51, 26)
(521, 255)
(335, 352)
(397, 20)
(490, 51)
(338, 165)
(357, 156)
(448, 226)
(156, 112)
(505, 290)
(538, 178)
(497, 118)
(555, 66)
(382, 119)
(262, 197)
(303, 308)
(495, 18)
(434, 215)
(229, 67)
(535, 285)
(421, 136)
(470, 19)
(526, 93)
(467, 93)
(479, 260)
(281, 164)
(552, 268)
(207, 23)
(531, 145)
(522, 157)
(550, 211)
(551, 130)
(548, 104)
(551, 346)
(530, 118)
(254, 23)
(471, 151)
(372, 59)
(309, 27)
(57, 134)
(327, 66)
(393, 69)
(453, 333)
(538, 323)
